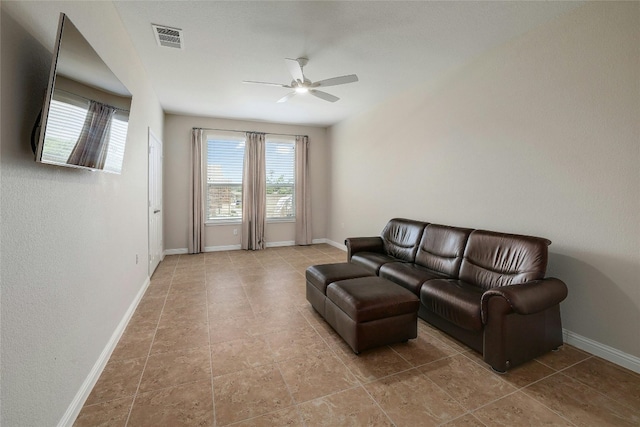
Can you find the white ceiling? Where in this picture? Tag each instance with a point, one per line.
(392, 46)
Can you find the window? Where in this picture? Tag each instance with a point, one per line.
(225, 157)
(225, 161)
(280, 158)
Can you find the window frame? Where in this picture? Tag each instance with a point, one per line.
(289, 140)
(220, 136)
(241, 139)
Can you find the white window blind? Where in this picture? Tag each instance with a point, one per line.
(225, 158)
(65, 121)
(64, 124)
(280, 169)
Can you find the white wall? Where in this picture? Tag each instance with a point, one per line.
(176, 182)
(540, 136)
(69, 237)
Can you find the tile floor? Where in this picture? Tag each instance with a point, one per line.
(228, 338)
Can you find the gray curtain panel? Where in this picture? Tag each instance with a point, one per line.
(303, 195)
(196, 194)
(91, 148)
(254, 192)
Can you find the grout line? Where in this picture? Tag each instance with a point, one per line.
(135, 395)
(378, 404)
(523, 390)
(206, 307)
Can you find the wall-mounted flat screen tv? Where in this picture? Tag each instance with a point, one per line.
(85, 115)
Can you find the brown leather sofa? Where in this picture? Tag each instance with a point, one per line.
(484, 288)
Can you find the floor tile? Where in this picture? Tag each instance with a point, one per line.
(188, 298)
(184, 405)
(563, 358)
(222, 295)
(173, 314)
(135, 342)
(525, 374)
(312, 376)
(613, 381)
(230, 309)
(276, 321)
(229, 329)
(410, 399)
(177, 367)
(292, 343)
(467, 420)
(371, 364)
(250, 393)
(107, 414)
(353, 407)
(470, 385)
(517, 410)
(286, 417)
(423, 349)
(180, 337)
(239, 355)
(581, 404)
(119, 379)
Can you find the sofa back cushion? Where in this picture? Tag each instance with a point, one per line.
(442, 248)
(401, 238)
(495, 259)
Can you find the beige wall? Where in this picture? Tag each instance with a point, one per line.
(69, 237)
(177, 141)
(540, 136)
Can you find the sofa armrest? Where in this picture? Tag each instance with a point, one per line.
(527, 298)
(363, 244)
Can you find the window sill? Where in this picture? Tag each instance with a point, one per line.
(238, 221)
(212, 223)
(270, 220)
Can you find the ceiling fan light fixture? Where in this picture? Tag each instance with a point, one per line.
(301, 85)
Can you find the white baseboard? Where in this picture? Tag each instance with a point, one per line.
(222, 248)
(81, 396)
(281, 244)
(335, 244)
(179, 251)
(601, 350)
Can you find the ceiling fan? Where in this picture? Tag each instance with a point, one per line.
(301, 84)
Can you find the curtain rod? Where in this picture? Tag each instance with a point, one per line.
(245, 131)
(89, 99)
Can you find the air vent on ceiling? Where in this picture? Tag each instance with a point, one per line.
(168, 37)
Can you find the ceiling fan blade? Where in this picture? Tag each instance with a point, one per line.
(351, 78)
(295, 69)
(287, 97)
(324, 95)
(265, 83)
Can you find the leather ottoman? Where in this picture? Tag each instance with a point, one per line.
(321, 276)
(371, 311)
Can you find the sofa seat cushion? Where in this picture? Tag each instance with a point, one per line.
(455, 301)
(372, 261)
(371, 298)
(320, 276)
(409, 276)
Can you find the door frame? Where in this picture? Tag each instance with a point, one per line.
(152, 136)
